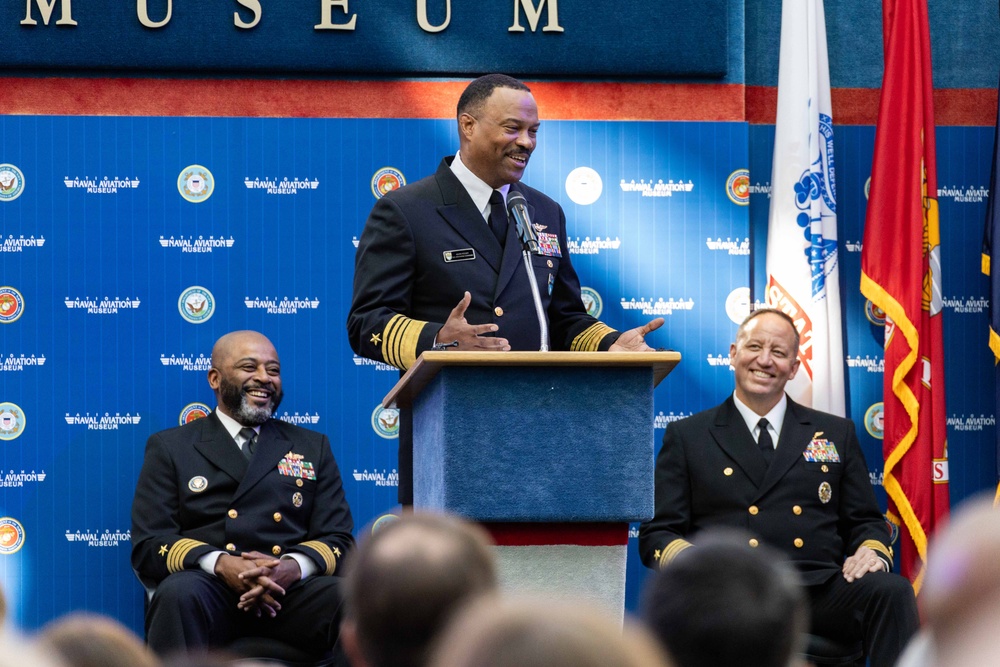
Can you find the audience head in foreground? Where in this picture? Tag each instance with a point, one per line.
(520, 632)
(726, 604)
(91, 640)
(405, 582)
(960, 598)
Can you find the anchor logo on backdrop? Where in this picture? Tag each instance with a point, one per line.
(11, 182)
(196, 184)
(11, 421)
(196, 304)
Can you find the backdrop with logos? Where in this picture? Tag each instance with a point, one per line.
(130, 244)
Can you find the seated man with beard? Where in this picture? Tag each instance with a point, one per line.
(239, 520)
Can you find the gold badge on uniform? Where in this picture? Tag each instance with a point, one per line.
(198, 484)
(825, 492)
(297, 499)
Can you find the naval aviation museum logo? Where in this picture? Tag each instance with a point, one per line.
(101, 186)
(282, 306)
(379, 365)
(105, 306)
(286, 186)
(385, 180)
(17, 480)
(661, 420)
(385, 422)
(11, 182)
(589, 246)
(592, 301)
(196, 183)
(733, 247)
(738, 187)
(188, 362)
(377, 477)
(11, 535)
(658, 189)
(193, 411)
(10, 244)
(11, 305)
(200, 244)
(11, 421)
(105, 422)
(19, 363)
(300, 420)
(109, 538)
(196, 304)
(659, 307)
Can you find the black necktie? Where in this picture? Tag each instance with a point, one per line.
(764, 442)
(498, 217)
(249, 440)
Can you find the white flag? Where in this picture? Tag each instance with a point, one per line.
(802, 272)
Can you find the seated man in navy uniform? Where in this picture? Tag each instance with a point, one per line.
(795, 479)
(239, 519)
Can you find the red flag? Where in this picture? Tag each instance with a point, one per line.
(901, 274)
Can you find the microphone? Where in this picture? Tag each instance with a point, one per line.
(517, 207)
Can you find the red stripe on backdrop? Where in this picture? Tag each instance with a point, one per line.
(859, 106)
(583, 534)
(356, 99)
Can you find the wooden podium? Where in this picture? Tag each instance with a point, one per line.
(552, 452)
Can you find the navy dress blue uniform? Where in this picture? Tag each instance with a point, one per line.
(424, 246)
(814, 503)
(197, 494)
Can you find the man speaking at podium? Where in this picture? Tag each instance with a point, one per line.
(440, 266)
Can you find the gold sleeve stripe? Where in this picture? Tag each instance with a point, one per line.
(177, 553)
(589, 340)
(875, 545)
(325, 552)
(400, 338)
(672, 550)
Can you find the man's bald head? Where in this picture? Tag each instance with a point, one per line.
(406, 581)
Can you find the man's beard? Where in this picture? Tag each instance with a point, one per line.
(235, 400)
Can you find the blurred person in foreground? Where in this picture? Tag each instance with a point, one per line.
(405, 582)
(726, 604)
(525, 632)
(960, 598)
(795, 479)
(92, 640)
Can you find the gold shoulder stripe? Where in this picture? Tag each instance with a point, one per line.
(877, 546)
(400, 337)
(672, 550)
(325, 552)
(177, 553)
(589, 340)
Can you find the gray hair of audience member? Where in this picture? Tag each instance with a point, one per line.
(404, 582)
(960, 597)
(92, 640)
(532, 632)
(723, 603)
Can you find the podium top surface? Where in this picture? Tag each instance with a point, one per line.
(430, 363)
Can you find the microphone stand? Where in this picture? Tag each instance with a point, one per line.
(529, 242)
(543, 321)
